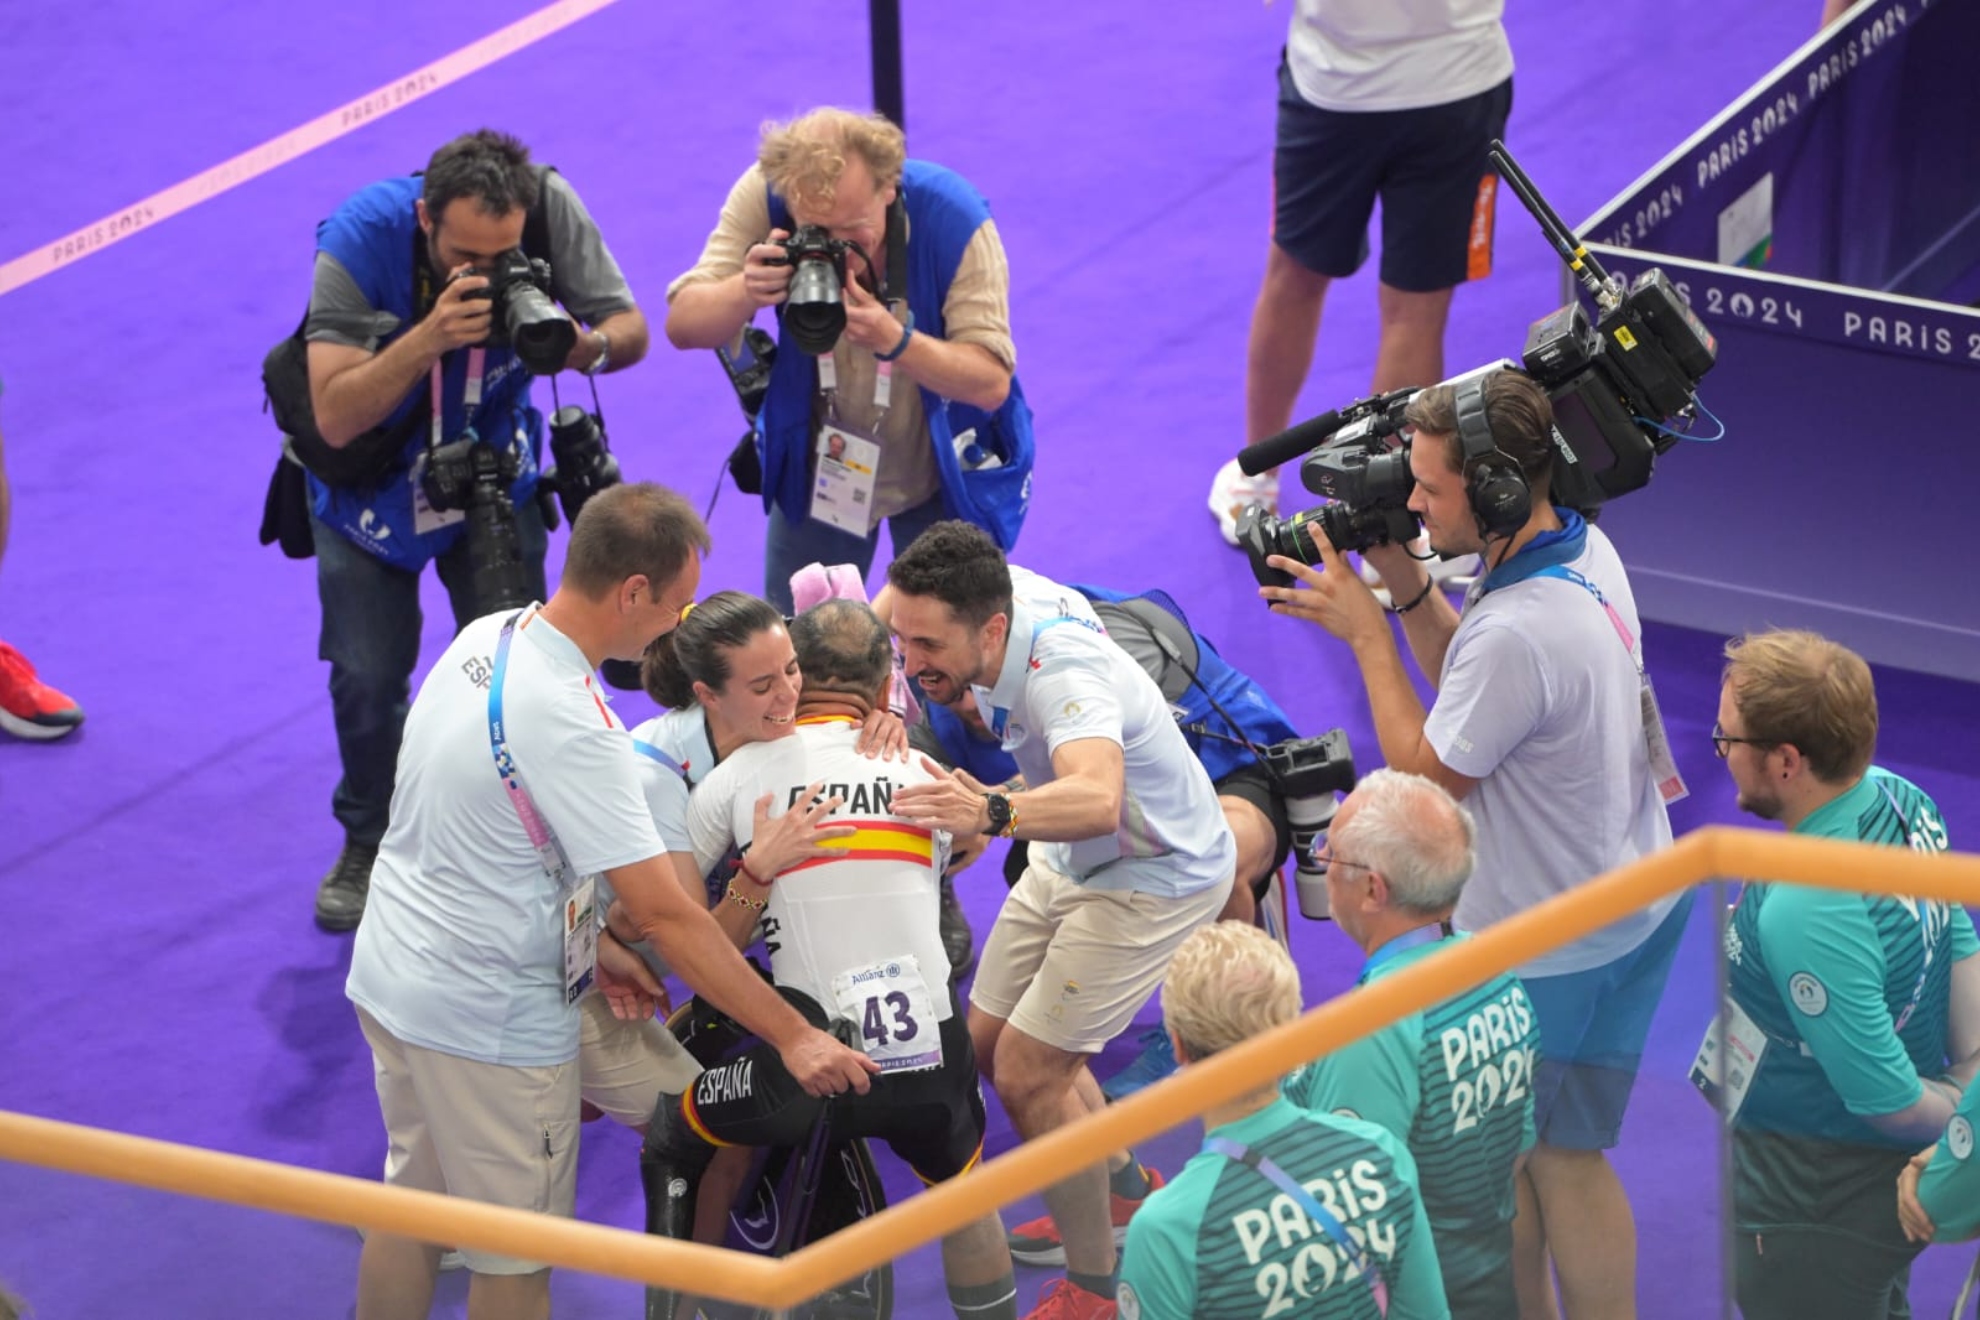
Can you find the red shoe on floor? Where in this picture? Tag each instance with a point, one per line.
(29, 708)
(1065, 1300)
(1037, 1241)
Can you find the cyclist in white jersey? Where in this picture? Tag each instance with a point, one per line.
(853, 939)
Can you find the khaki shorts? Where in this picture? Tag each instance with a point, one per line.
(483, 1131)
(1071, 966)
(624, 1066)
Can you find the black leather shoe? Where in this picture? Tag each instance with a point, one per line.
(958, 941)
(340, 897)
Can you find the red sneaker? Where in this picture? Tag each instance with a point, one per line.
(29, 708)
(1037, 1242)
(1065, 1300)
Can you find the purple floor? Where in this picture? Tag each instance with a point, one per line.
(162, 974)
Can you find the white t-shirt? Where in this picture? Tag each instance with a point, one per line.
(461, 947)
(1367, 55)
(1540, 703)
(1064, 680)
(876, 904)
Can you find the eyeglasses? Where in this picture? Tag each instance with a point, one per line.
(1722, 741)
(1321, 860)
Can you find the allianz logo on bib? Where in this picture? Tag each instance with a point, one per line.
(887, 973)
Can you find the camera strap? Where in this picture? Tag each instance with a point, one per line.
(470, 394)
(580, 931)
(1355, 1253)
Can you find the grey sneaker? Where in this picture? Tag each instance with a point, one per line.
(340, 896)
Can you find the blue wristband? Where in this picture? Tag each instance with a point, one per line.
(907, 333)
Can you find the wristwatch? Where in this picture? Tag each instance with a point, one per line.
(604, 358)
(1002, 818)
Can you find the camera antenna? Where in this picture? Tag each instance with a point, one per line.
(1601, 286)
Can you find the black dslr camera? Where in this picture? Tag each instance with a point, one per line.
(524, 316)
(473, 475)
(1616, 383)
(584, 459)
(815, 308)
(1309, 767)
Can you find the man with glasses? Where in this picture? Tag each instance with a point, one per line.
(1845, 1005)
(1454, 1082)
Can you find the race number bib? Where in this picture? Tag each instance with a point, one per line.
(1728, 1059)
(580, 940)
(890, 1004)
(842, 490)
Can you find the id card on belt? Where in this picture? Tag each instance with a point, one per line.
(580, 940)
(842, 490)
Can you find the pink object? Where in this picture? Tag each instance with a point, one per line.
(815, 583)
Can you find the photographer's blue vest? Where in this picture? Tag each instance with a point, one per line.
(1259, 718)
(943, 213)
(371, 236)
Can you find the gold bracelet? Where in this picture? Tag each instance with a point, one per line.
(742, 900)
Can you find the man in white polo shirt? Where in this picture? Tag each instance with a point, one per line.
(517, 789)
(1136, 852)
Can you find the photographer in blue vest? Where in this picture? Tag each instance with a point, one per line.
(428, 315)
(892, 395)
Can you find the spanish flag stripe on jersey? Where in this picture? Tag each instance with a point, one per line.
(879, 841)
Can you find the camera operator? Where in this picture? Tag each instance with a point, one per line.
(1135, 854)
(400, 291)
(1849, 1005)
(484, 910)
(1452, 1082)
(923, 294)
(1542, 727)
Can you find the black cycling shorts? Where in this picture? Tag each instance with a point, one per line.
(932, 1119)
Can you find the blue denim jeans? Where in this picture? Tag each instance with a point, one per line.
(789, 546)
(371, 628)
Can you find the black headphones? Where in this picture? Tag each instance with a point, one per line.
(1500, 499)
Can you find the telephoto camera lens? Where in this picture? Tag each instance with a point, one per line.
(497, 577)
(1310, 817)
(815, 311)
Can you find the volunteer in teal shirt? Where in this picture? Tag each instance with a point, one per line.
(1284, 1211)
(1453, 1083)
(1845, 997)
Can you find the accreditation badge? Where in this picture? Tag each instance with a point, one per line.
(842, 482)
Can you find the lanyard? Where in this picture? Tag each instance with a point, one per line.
(1925, 967)
(1357, 1255)
(1000, 715)
(652, 753)
(1402, 944)
(1622, 629)
(548, 850)
(471, 395)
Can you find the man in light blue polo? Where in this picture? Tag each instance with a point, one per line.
(1135, 853)
(1454, 1082)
